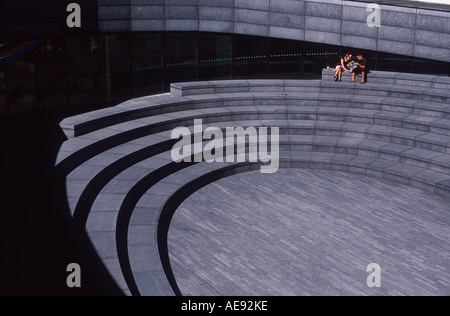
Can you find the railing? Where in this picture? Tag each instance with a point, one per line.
(410, 4)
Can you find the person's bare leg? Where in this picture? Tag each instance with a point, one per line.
(363, 80)
(339, 74)
(353, 77)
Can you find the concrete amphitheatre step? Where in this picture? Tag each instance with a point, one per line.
(429, 119)
(311, 94)
(397, 78)
(123, 186)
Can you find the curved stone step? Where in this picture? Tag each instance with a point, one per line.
(90, 122)
(335, 137)
(112, 136)
(407, 79)
(296, 135)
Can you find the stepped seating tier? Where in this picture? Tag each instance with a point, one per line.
(123, 187)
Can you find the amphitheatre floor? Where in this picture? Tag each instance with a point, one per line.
(310, 232)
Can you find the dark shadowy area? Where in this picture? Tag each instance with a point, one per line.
(37, 18)
(36, 243)
(29, 146)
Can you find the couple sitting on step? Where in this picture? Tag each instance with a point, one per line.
(356, 67)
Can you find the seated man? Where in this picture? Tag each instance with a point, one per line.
(361, 68)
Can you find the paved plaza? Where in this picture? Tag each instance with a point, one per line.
(310, 232)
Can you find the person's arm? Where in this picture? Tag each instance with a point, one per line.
(344, 65)
(363, 65)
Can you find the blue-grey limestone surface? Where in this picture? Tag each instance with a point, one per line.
(409, 31)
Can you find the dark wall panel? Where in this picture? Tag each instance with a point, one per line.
(33, 19)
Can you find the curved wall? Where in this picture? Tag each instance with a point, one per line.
(130, 48)
(410, 31)
(415, 32)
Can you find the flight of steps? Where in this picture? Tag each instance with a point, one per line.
(123, 187)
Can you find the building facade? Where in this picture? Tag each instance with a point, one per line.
(130, 48)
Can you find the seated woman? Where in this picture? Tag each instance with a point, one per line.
(343, 67)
